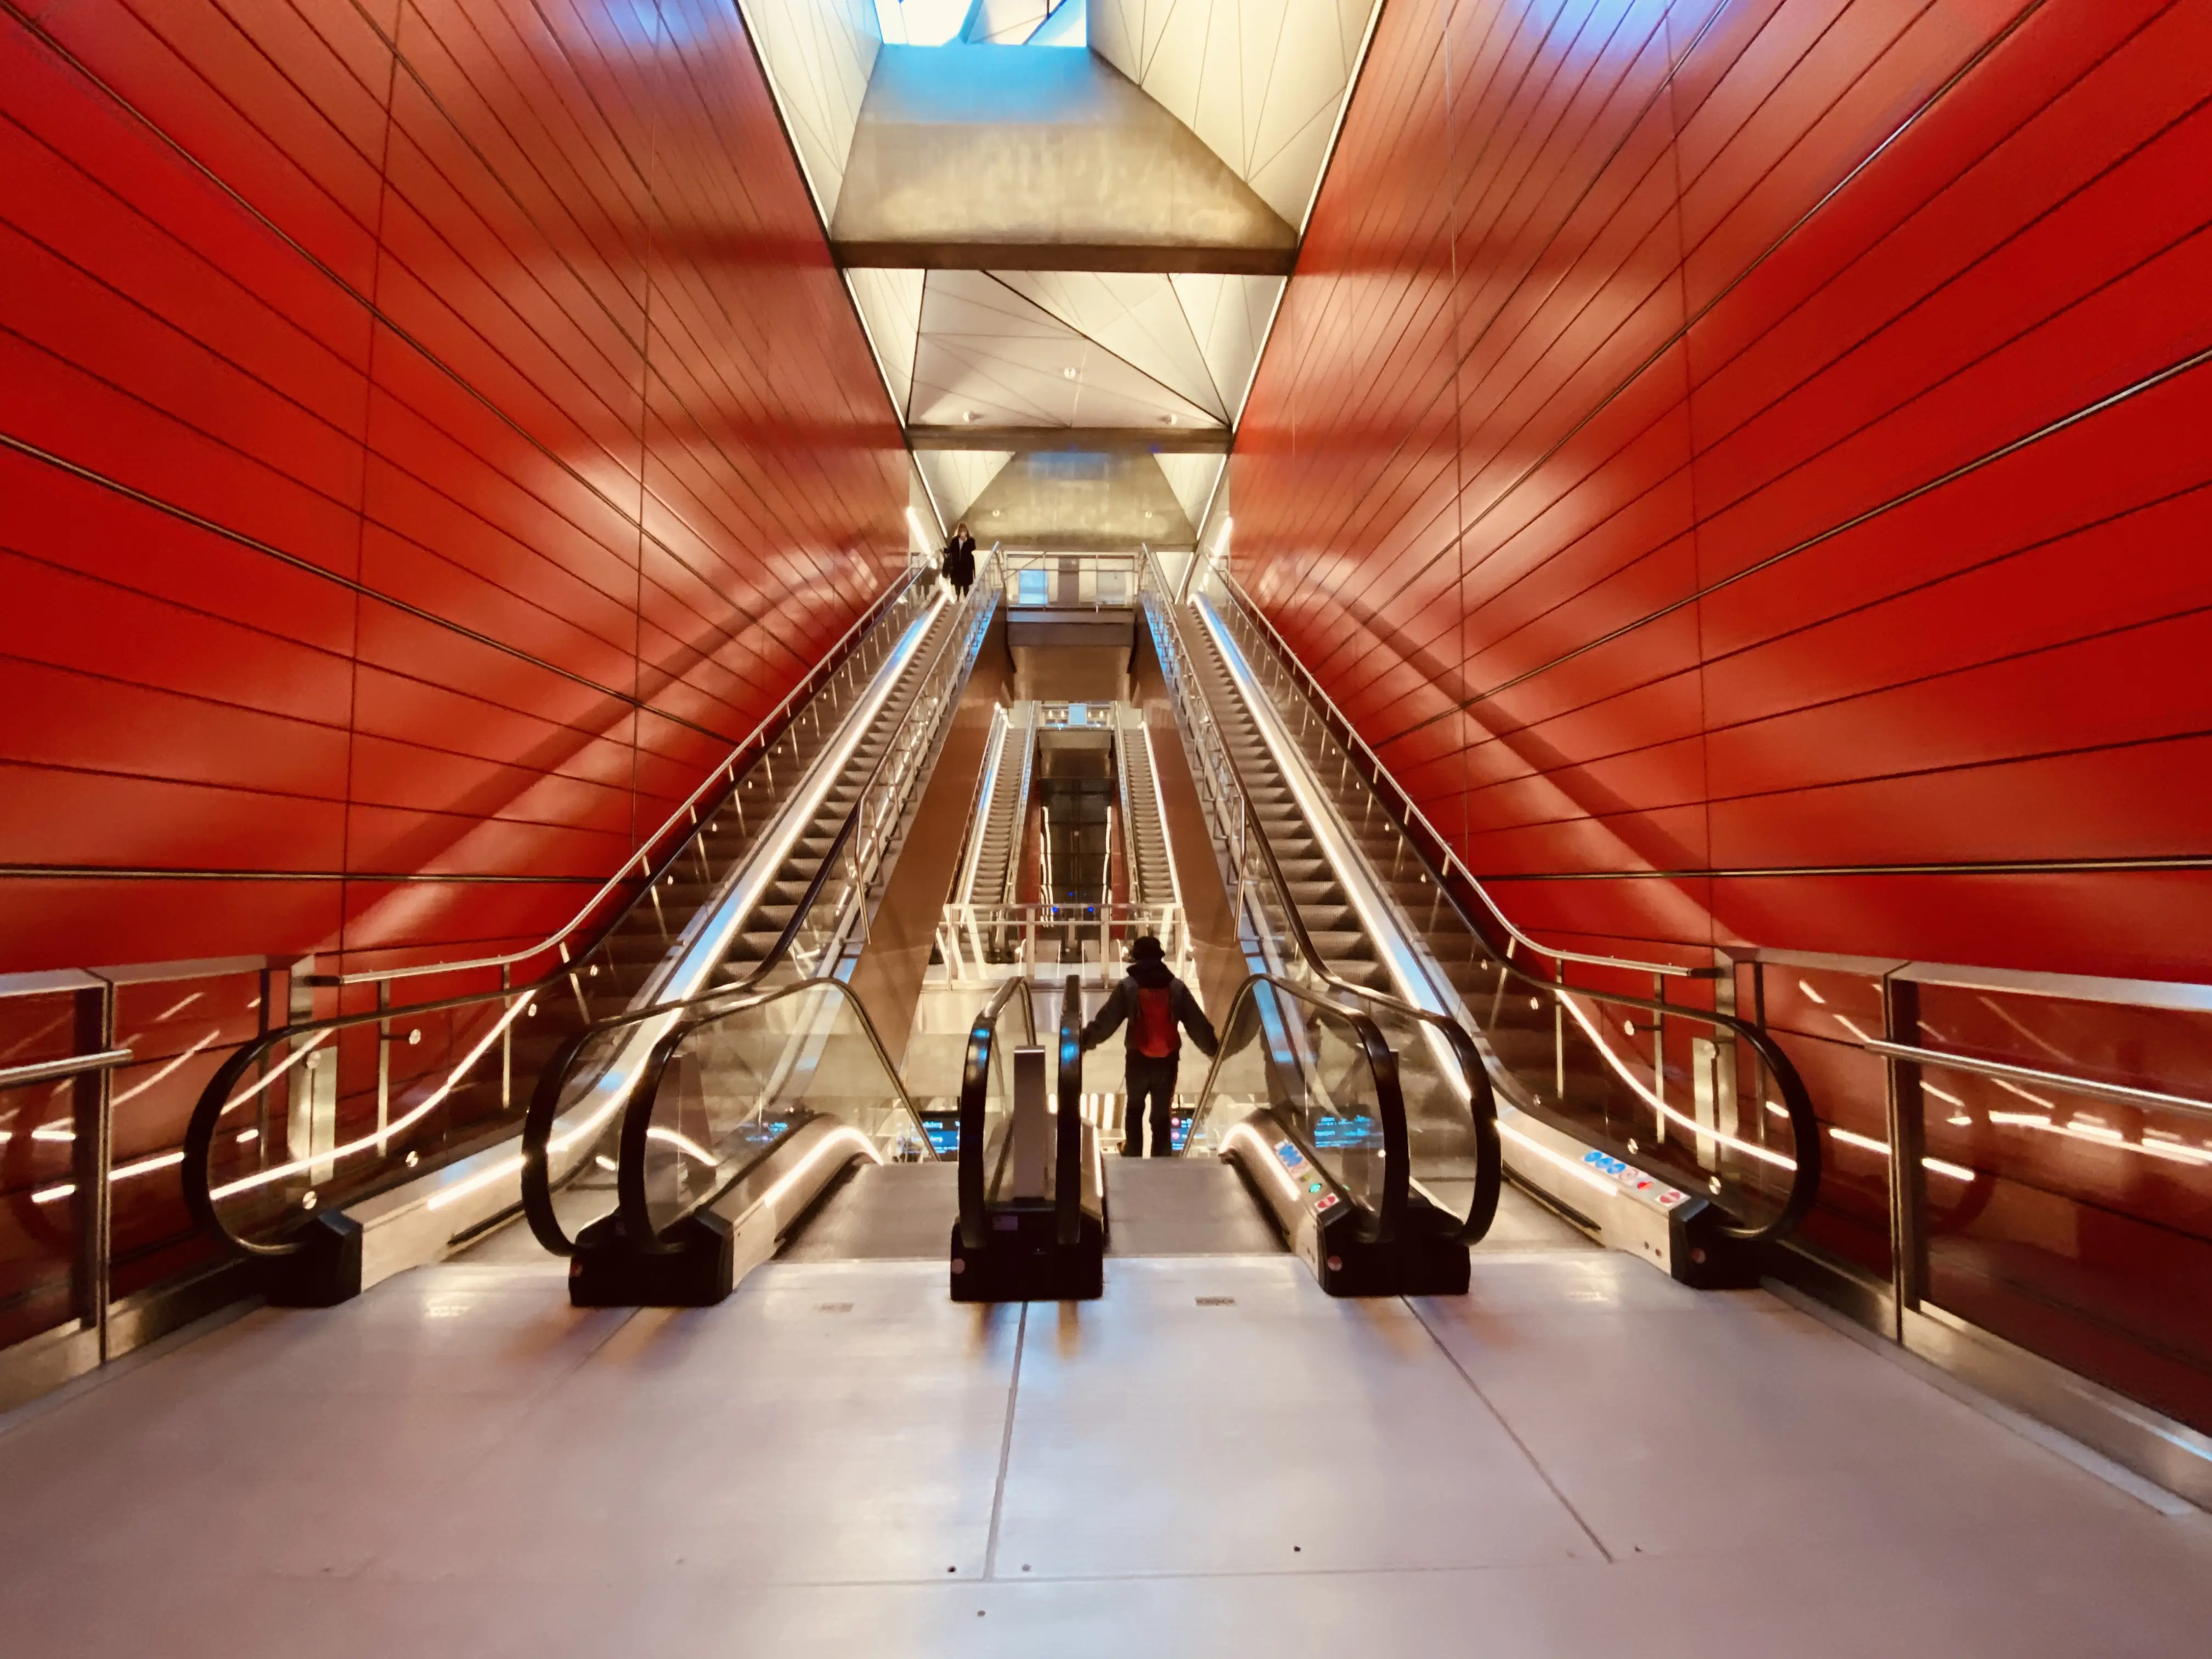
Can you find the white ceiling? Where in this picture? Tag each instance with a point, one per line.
(1144, 346)
(957, 477)
(1258, 80)
(818, 55)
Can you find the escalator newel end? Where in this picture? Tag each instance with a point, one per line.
(695, 1267)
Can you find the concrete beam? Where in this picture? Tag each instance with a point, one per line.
(991, 157)
(1092, 440)
(1062, 255)
(1084, 502)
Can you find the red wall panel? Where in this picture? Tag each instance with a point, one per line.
(434, 432)
(1817, 384)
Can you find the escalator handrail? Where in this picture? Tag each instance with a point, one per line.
(1379, 1226)
(1797, 1101)
(552, 1077)
(1482, 1098)
(974, 1093)
(545, 1104)
(632, 1201)
(1068, 1131)
(1409, 813)
(216, 1098)
(726, 772)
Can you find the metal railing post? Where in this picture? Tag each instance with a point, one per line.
(1908, 1146)
(383, 1061)
(92, 1112)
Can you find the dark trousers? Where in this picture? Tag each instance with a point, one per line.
(1153, 1081)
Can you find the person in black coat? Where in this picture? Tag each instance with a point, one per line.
(957, 562)
(1154, 1003)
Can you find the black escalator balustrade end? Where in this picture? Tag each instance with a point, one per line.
(1005, 1248)
(318, 1261)
(691, 1264)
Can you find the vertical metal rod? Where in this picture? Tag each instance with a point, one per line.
(506, 1040)
(383, 1060)
(1659, 1061)
(1908, 1146)
(92, 1112)
(1559, 1037)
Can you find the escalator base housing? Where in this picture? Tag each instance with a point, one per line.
(1414, 1264)
(1022, 1260)
(696, 1269)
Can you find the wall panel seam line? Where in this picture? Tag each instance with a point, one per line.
(195, 872)
(1986, 868)
(1659, 353)
(185, 516)
(244, 205)
(1964, 469)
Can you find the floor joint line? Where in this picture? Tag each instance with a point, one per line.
(1488, 1405)
(1005, 1447)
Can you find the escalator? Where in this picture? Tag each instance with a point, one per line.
(1150, 861)
(1661, 1124)
(359, 1159)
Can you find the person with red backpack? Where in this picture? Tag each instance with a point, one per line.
(1155, 1003)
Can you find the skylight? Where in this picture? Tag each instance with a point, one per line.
(983, 22)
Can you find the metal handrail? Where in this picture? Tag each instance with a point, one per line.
(724, 772)
(545, 1099)
(1408, 812)
(633, 1203)
(42, 1071)
(1796, 1102)
(1389, 1101)
(974, 1093)
(217, 1096)
(2120, 1092)
(545, 1103)
(1068, 1131)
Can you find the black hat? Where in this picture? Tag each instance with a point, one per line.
(1146, 948)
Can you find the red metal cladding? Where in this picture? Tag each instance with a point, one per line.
(1810, 382)
(1824, 567)
(520, 320)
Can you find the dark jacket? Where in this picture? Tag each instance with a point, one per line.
(957, 564)
(1122, 1004)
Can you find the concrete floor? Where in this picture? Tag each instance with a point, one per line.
(1578, 1458)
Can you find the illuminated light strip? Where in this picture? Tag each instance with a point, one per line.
(1413, 985)
(1849, 1137)
(1850, 1027)
(288, 1062)
(1811, 992)
(509, 1166)
(720, 924)
(1266, 1156)
(1636, 1082)
(121, 1172)
(829, 1143)
(140, 1087)
(1580, 1171)
(689, 1148)
(2011, 1088)
(1947, 1099)
(174, 1008)
(262, 1178)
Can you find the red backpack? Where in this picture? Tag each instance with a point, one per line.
(1154, 1033)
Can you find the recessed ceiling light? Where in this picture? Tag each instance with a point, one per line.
(1069, 373)
(972, 415)
(1169, 419)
